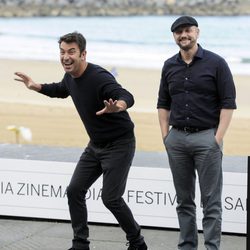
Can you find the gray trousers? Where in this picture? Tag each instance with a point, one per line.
(191, 153)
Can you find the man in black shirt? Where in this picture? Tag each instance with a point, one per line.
(101, 103)
(196, 98)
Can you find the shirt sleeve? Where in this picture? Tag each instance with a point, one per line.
(164, 99)
(58, 90)
(226, 86)
(110, 88)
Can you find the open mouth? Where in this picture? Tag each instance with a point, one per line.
(67, 64)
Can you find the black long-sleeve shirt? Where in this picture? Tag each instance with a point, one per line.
(88, 93)
(195, 93)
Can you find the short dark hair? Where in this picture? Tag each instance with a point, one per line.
(74, 37)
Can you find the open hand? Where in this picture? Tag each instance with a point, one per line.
(112, 106)
(29, 83)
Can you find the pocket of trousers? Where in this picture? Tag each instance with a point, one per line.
(165, 139)
(219, 145)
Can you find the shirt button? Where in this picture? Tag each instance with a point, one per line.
(187, 118)
(186, 78)
(186, 91)
(186, 105)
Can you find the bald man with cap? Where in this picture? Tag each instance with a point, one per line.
(195, 105)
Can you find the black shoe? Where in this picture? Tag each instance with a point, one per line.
(143, 246)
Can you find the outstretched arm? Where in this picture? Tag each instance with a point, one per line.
(29, 83)
(112, 106)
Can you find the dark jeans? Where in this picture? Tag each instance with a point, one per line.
(113, 160)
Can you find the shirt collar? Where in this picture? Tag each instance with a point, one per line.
(200, 52)
(198, 55)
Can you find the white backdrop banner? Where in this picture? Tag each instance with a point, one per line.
(38, 189)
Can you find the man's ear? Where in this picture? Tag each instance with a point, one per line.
(198, 32)
(83, 55)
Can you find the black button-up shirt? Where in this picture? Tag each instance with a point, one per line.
(196, 92)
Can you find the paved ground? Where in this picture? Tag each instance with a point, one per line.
(16, 234)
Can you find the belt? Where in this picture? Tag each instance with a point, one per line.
(190, 129)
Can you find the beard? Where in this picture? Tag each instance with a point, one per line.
(186, 46)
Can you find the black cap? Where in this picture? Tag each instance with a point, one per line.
(183, 21)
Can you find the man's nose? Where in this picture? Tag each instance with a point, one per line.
(65, 56)
(183, 35)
